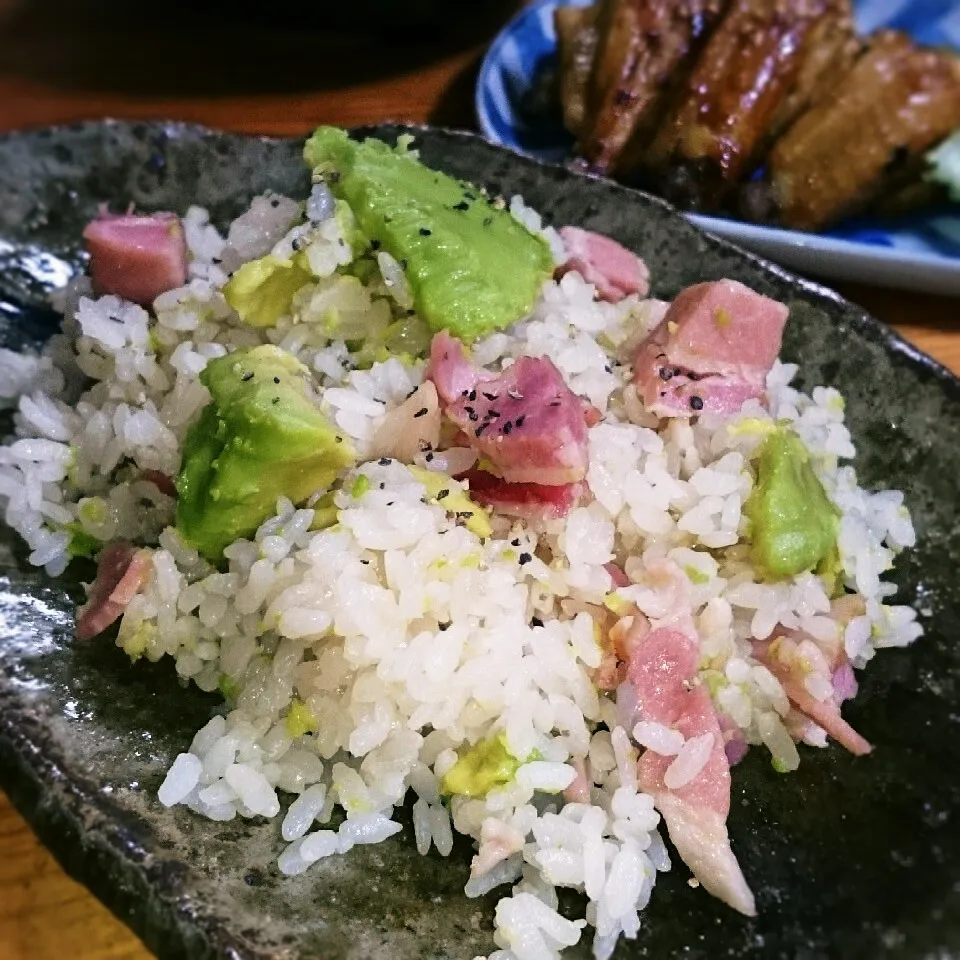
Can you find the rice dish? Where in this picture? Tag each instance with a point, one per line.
(486, 663)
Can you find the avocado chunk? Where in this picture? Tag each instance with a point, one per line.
(794, 524)
(261, 438)
(262, 291)
(485, 765)
(472, 268)
(444, 489)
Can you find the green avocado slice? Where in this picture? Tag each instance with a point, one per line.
(261, 438)
(472, 268)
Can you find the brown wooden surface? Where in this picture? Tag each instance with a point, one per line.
(59, 65)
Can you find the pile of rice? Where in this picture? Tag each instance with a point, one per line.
(358, 660)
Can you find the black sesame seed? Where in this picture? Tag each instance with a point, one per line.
(481, 428)
(411, 312)
(422, 412)
(391, 503)
(507, 427)
(487, 221)
(463, 393)
(443, 626)
(493, 414)
(429, 458)
(384, 461)
(666, 373)
(491, 396)
(375, 244)
(554, 403)
(276, 399)
(524, 558)
(338, 439)
(383, 486)
(412, 392)
(443, 494)
(462, 205)
(536, 622)
(425, 232)
(472, 395)
(696, 403)
(247, 377)
(473, 415)
(515, 542)
(366, 563)
(274, 203)
(403, 263)
(276, 379)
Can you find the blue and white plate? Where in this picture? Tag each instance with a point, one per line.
(921, 252)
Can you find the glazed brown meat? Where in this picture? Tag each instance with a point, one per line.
(642, 45)
(577, 42)
(831, 48)
(899, 100)
(716, 127)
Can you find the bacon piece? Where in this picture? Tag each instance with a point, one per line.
(711, 352)
(136, 257)
(784, 658)
(663, 670)
(122, 570)
(614, 271)
(160, 480)
(530, 501)
(526, 420)
(579, 789)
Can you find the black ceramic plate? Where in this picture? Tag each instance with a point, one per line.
(849, 857)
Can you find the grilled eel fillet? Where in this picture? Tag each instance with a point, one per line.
(641, 45)
(712, 135)
(577, 42)
(865, 139)
(831, 47)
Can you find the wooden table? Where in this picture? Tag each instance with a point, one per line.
(59, 64)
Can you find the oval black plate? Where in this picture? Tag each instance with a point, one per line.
(849, 858)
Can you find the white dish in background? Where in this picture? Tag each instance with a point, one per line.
(921, 252)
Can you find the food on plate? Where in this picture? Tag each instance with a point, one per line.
(745, 107)
(709, 136)
(136, 257)
(640, 50)
(576, 43)
(473, 523)
(902, 100)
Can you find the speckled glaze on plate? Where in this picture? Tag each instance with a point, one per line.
(849, 857)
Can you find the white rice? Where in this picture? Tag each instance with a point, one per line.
(402, 637)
